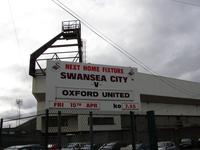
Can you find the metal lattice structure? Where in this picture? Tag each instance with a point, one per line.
(71, 31)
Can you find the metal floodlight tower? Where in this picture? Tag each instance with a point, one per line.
(19, 103)
(71, 30)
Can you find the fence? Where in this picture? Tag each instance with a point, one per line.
(56, 130)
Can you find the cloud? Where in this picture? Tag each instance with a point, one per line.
(15, 84)
(159, 33)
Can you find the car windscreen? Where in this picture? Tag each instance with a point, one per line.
(71, 145)
(161, 144)
(186, 140)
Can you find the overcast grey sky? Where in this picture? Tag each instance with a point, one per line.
(163, 34)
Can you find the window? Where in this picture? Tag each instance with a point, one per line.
(64, 121)
(102, 120)
(53, 121)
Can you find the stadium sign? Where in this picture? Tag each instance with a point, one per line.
(82, 86)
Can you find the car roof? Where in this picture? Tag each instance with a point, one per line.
(20, 146)
(165, 142)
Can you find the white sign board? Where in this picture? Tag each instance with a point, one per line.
(84, 86)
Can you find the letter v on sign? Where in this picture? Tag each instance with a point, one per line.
(96, 84)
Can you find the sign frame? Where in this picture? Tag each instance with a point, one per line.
(91, 87)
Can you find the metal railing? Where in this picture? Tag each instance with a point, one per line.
(60, 138)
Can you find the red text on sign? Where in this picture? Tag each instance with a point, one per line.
(129, 106)
(72, 67)
(91, 105)
(58, 104)
(75, 104)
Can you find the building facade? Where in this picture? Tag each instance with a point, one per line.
(176, 104)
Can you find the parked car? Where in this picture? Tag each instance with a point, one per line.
(140, 146)
(198, 142)
(87, 147)
(74, 146)
(185, 143)
(52, 147)
(25, 147)
(112, 146)
(166, 145)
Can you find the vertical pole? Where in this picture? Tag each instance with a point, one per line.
(91, 131)
(59, 130)
(132, 123)
(80, 45)
(1, 127)
(152, 130)
(80, 52)
(46, 129)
